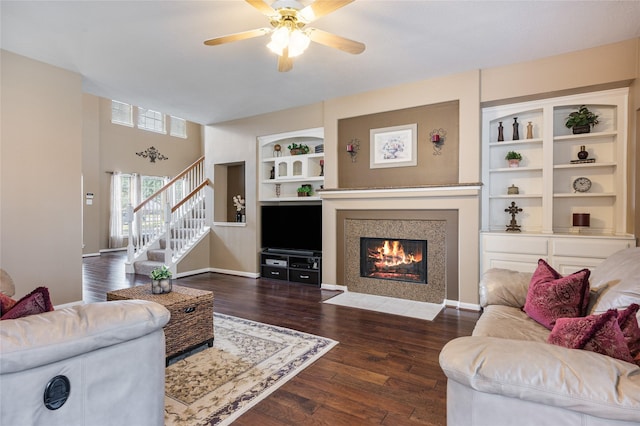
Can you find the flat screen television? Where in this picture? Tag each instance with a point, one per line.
(292, 227)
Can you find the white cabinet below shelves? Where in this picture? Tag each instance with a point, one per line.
(565, 253)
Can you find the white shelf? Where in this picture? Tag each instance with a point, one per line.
(290, 171)
(583, 165)
(546, 173)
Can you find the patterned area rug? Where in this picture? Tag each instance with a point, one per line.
(247, 362)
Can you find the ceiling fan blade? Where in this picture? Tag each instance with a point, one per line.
(335, 41)
(238, 36)
(262, 7)
(319, 8)
(285, 63)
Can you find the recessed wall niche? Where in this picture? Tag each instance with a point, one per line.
(229, 180)
(431, 169)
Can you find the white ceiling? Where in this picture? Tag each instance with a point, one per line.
(151, 53)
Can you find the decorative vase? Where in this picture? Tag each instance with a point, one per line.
(500, 132)
(238, 216)
(577, 130)
(529, 131)
(583, 154)
(161, 286)
(516, 131)
(514, 163)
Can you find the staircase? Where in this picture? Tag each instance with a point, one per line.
(168, 224)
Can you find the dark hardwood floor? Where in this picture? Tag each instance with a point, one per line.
(384, 371)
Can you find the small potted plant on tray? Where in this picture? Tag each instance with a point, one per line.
(161, 280)
(581, 121)
(298, 149)
(513, 158)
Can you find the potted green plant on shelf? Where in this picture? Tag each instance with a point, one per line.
(513, 158)
(304, 191)
(161, 280)
(298, 149)
(581, 121)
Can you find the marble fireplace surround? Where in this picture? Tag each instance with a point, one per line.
(447, 214)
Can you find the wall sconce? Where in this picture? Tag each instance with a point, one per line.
(581, 220)
(352, 149)
(437, 138)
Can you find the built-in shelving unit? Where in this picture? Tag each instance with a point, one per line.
(545, 180)
(282, 173)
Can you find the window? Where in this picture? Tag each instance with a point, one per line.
(178, 127)
(149, 119)
(121, 113)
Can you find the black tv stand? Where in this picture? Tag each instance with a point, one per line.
(301, 266)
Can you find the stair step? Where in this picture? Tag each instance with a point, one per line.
(144, 267)
(156, 255)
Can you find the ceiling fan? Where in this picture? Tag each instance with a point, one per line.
(289, 35)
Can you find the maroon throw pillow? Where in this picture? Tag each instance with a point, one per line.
(630, 328)
(551, 296)
(595, 333)
(6, 303)
(36, 302)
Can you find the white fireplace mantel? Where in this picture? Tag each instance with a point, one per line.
(465, 198)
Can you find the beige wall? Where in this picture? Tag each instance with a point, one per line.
(235, 248)
(615, 65)
(111, 147)
(41, 145)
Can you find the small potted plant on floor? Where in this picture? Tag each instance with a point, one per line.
(304, 191)
(161, 280)
(513, 158)
(581, 121)
(298, 149)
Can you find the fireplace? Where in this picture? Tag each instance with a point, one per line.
(394, 259)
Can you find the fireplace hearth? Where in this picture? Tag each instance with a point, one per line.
(394, 259)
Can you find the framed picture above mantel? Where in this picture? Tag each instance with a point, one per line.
(395, 146)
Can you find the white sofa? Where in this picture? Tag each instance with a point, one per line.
(507, 374)
(111, 353)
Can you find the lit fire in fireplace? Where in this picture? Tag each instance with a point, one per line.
(400, 260)
(391, 254)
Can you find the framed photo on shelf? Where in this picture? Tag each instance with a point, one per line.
(395, 146)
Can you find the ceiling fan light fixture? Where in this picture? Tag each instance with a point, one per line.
(298, 43)
(279, 40)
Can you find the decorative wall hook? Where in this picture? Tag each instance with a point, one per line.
(352, 149)
(437, 137)
(152, 153)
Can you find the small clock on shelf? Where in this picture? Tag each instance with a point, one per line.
(582, 184)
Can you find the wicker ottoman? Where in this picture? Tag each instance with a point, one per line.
(191, 322)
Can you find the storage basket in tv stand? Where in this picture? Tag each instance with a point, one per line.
(301, 266)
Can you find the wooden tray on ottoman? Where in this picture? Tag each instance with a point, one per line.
(191, 322)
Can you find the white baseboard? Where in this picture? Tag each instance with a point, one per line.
(194, 272)
(461, 305)
(113, 249)
(237, 273)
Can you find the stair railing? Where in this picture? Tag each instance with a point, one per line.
(154, 217)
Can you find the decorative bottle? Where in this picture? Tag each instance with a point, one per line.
(529, 131)
(500, 132)
(516, 132)
(583, 154)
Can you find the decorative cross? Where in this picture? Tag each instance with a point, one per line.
(513, 210)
